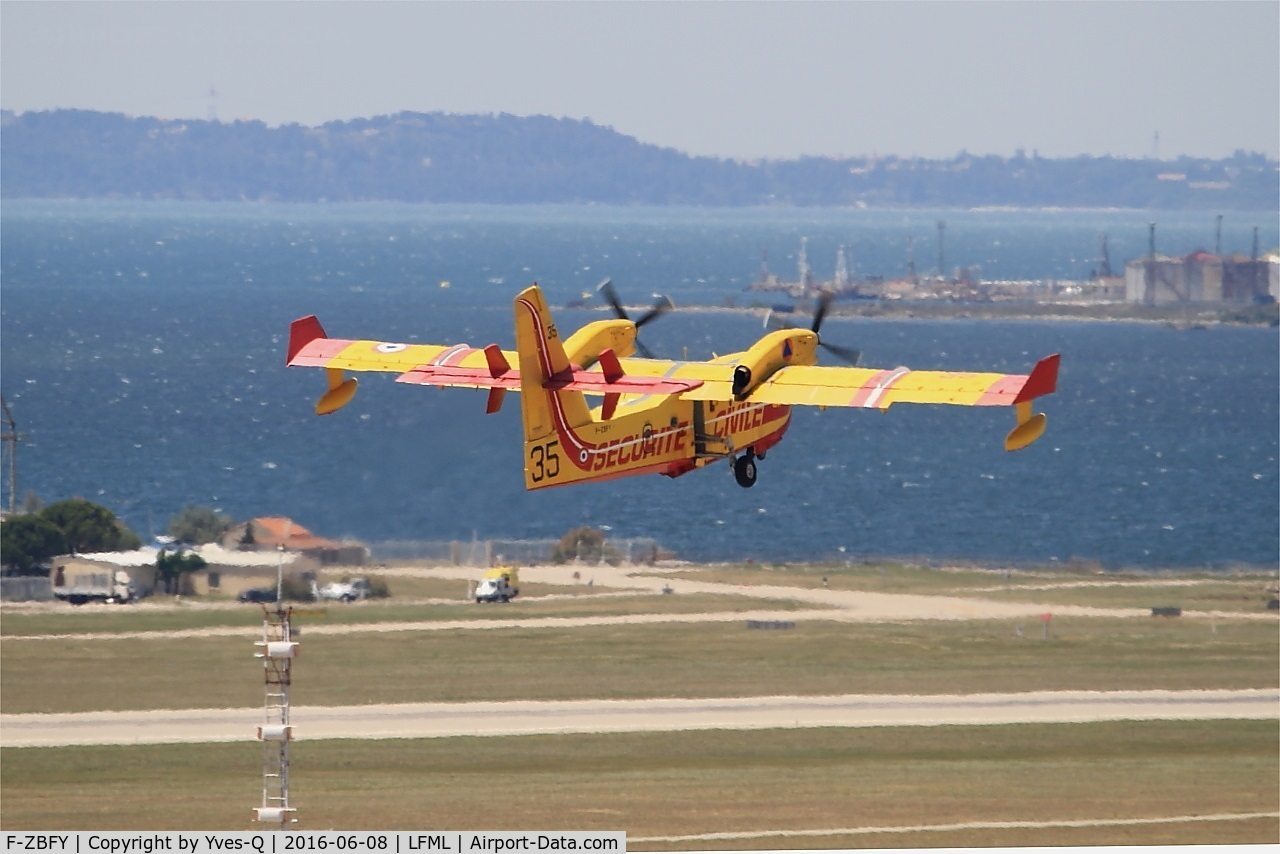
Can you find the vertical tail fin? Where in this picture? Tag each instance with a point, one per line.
(542, 359)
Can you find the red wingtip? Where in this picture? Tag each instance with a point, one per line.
(1043, 379)
(302, 332)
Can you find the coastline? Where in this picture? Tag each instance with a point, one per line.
(1175, 316)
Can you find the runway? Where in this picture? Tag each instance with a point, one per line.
(445, 720)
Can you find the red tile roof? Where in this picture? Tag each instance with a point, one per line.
(279, 531)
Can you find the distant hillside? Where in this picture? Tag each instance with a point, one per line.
(504, 159)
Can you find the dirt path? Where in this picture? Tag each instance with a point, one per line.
(959, 826)
(823, 604)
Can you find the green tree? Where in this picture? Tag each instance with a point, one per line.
(90, 527)
(27, 543)
(171, 567)
(585, 544)
(31, 503)
(198, 525)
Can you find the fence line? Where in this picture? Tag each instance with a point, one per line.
(26, 588)
(490, 552)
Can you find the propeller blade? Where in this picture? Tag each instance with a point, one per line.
(611, 296)
(820, 312)
(774, 322)
(664, 304)
(846, 354)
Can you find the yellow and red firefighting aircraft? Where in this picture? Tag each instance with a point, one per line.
(665, 417)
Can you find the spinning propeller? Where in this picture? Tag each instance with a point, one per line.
(664, 304)
(845, 354)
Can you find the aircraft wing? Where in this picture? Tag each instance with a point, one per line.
(879, 389)
(831, 385)
(456, 366)
(309, 347)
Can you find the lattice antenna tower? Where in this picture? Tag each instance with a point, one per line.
(802, 265)
(942, 257)
(1104, 257)
(9, 456)
(278, 652)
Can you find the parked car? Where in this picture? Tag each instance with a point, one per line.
(342, 591)
(261, 594)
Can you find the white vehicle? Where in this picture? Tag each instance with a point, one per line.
(109, 587)
(501, 584)
(341, 591)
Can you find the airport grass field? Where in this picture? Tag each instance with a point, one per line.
(1100, 783)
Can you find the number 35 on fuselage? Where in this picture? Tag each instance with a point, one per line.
(654, 415)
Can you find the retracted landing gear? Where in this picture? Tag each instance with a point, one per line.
(744, 469)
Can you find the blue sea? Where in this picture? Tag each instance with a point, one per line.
(142, 355)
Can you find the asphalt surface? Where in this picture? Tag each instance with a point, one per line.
(441, 720)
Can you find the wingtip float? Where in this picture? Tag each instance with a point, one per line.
(1042, 380)
(309, 346)
(655, 416)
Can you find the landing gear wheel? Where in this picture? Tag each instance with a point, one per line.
(744, 470)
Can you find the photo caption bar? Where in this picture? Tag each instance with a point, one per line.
(308, 841)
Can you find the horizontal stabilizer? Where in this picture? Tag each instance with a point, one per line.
(449, 376)
(596, 383)
(590, 382)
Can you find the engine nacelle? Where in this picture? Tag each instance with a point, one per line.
(775, 350)
(585, 346)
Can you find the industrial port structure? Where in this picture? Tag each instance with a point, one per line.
(1199, 277)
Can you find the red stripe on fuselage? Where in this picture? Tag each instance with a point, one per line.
(739, 418)
(569, 439)
(595, 459)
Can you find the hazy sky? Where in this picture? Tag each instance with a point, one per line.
(729, 79)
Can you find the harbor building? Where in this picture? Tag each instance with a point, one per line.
(1202, 277)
